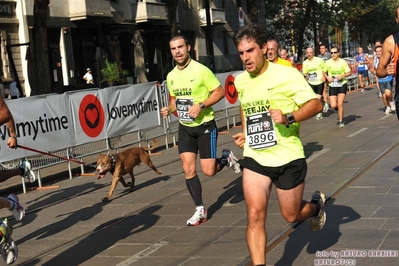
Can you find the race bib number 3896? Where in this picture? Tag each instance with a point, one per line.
(261, 132)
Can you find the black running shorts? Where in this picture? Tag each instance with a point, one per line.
(202, 138)
(284, 177)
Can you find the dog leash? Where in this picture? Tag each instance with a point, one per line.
(49, 154)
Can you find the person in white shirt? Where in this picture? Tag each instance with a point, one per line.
(88, 77)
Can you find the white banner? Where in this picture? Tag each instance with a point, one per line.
(57, 121)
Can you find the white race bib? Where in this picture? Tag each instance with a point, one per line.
(261, 132)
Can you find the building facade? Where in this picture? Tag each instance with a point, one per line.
(135, 33)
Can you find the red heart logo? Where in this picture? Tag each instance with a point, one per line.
(92, 115)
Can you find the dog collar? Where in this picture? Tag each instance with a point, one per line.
(113, 161)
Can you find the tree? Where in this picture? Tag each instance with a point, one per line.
(172, 16)
(42, 68)
(297, 22)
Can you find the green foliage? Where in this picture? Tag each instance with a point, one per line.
(368, 20)
(110, 72)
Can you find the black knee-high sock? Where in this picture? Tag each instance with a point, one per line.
(195, 189)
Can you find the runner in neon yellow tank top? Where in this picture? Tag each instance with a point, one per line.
(337, 70)
(313, 68)
(194, 89)
(273, 100)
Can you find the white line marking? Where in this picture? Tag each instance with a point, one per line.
(317, 154)
(357, 132)
(385, 117)
(144, 253)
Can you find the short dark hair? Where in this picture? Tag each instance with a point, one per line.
(179, 36)
(323, 44)
(250, 31)
(378, 46)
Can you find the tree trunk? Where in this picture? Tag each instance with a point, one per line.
(41, 47)
(172, 19)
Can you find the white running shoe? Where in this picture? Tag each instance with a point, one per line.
(379, 95)
(231, 159)
(325, 107)
(319, 116)
(341, 124)
(27, 171)
(362, 90)
(317, 222)
(9, 250)
(18, 211)
(199, 216)
(388, 110)
(393, 107)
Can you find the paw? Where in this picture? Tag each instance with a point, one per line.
(105, 199)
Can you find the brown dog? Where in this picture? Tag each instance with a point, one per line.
(123, 163)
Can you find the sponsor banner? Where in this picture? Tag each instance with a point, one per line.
(133, 108)
(57, 121)
(41, 122)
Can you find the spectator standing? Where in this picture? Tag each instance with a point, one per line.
(194, 89)
(14, 92)
(337, 70)
(313, 68)
(388, 62)
(325, 55)
(88, 76)
(362, 62)
(274, 99)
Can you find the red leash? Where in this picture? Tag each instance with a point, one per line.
(45, 153)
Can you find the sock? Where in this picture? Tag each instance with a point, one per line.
(199, 208)
(195, 189)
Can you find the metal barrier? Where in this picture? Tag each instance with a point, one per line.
(78, 153)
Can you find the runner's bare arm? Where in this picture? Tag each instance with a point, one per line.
(386, 67)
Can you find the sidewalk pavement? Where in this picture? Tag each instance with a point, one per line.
(70, 225)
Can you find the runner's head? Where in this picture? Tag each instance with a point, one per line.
(180, 48)
(309, 53)
(334, 52)
(250, 41)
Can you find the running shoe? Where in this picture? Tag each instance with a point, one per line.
(341, 124)
(17, 210)
(387, 110)
(27, 171)
(199, 216)
(319, 116)
(232, 161)
(325, 107)
(318, 220)
(393, 107)
(379, 95)
(9, 250)
(362, 90)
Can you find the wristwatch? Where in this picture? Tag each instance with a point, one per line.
(202, 106)
(290, 118)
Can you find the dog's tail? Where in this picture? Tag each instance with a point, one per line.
(153, 146)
